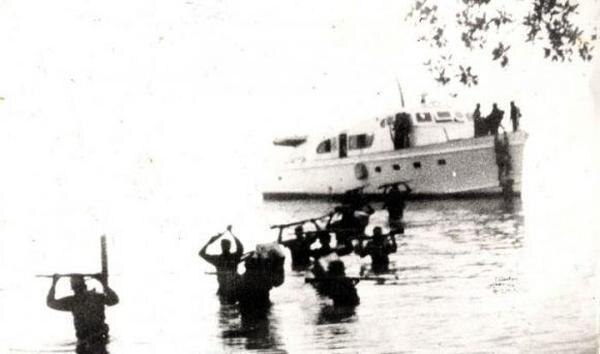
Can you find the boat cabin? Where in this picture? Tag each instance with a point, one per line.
(402, 130)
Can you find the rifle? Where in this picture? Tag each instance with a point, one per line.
(300, 222)
(354, 279)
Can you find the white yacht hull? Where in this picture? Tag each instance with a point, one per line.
(458, 167)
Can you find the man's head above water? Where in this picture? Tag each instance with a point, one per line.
(336, 268)
(377, 234)
(78, 284)
(299, 232)
(324, 238)
(225, 246)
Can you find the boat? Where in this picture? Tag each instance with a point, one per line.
(433, 149)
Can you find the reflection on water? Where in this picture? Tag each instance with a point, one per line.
(454, 254)
(328, 314)
(459, 286)
(255, 328)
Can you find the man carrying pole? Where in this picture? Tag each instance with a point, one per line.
(379, 250)
(299, 247)
(87, 307)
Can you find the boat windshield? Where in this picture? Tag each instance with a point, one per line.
(424, 117)
(360, 141)
(443, 116)
(324, 147)
(459, 117)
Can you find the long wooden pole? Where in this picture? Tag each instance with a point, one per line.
(104, 258)
(400, 90)
(67, 275)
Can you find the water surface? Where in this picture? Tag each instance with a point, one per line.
(460, 287)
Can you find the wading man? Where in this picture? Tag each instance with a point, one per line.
(334, 284)
(325, 249)
(299, 247)
(264, 270)
(348, 227)
(87, 308)
(395, 202)
(226, 264)
(379, 250)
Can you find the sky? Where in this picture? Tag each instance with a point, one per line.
(156, 117)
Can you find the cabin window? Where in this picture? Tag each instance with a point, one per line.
(417, 165)
(377, 169)
(324, 147)
(396, 167)
(424, 117)
(441, 162)
(360, 141)
(443, 116)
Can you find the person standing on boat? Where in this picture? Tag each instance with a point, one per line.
(87, 308)
(379, 250)
(494, 120)
(478, 123)
(402, 127)
(395, 202)
(515, 114)
(226, 264)
(299, 247)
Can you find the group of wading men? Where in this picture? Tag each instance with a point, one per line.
(330, 280)
(264, 267)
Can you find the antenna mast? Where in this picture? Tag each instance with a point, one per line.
(400, 90)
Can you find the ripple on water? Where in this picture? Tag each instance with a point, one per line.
(458, 288)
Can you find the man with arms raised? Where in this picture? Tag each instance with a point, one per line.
(299, 247)
(379, 250)
(226, 264)
(87, 308)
